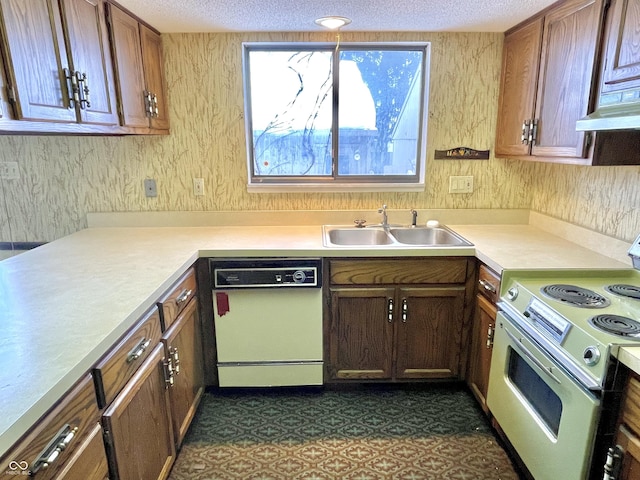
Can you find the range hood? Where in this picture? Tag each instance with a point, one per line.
(615, 111)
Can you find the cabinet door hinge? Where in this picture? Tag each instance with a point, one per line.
(108, 439)
(588, 139)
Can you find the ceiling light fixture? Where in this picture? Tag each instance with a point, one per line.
(332, 22)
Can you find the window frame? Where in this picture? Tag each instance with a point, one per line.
(335, 182)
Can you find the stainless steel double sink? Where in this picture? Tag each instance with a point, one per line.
(391, 236)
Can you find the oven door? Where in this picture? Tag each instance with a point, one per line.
(547, 416)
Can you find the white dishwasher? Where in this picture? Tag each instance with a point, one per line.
(268, 321)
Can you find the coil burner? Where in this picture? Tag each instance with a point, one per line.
(616, 325)
(576, 296)
(623, 290)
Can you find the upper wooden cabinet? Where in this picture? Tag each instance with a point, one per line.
(548, 79)
(621, 57)
(58, 62)
(139, 71)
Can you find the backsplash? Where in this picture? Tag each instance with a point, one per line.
(63, 178)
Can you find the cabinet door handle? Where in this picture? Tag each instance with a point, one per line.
(526, 127)
(533, 133)
(490, 336)
(83, 88)
(52, 451)
(154, 111)
(74, 92)
(175, 359)
(487, 286)
(390, 310)
(148, 106)
(168, 372)
(138, 350)
(404, 310)
(184, 295)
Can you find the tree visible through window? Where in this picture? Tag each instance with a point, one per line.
(365, 103)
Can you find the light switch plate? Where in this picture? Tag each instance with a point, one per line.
(9, 171)
(461, 184)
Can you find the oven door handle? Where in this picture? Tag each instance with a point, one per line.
(518, 343)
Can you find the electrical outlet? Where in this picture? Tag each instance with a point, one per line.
(198, 187)
(150, 189)
(461, 184)
(9, 171)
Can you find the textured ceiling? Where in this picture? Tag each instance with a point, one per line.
(367, 15)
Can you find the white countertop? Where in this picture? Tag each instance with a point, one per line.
(64, 304)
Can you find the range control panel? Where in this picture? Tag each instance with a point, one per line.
(289, 273)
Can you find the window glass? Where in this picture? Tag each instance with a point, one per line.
(364, 102)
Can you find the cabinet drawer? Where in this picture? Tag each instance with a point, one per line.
(177, 298)
(631, 405)
(90, 462)
(489, 284)
(398, 271)
(117, 367)
(57, 437)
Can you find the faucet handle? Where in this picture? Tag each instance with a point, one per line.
(360, 223)
(382, 209)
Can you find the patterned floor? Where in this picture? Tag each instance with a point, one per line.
(403, 433)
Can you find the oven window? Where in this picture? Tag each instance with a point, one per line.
(541, 398)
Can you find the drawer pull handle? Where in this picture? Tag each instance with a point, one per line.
(183, 296)
(138, 350)
(55, 447)
(487, 286)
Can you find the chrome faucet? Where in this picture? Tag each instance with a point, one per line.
(414, 218)
(383, 211)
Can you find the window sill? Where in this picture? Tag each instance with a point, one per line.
(330, 188)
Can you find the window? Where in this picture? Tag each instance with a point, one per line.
(325, 117)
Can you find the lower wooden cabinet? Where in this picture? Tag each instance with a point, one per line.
(183, 345)
(56, 446)
(624, 460)
(482, 329)
(395, 319)
(90, 462)
(481, 350)
(137, 424)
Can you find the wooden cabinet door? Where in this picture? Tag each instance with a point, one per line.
(90, 54)
(36, 57)
(361, 333)
(429, 329)
(154, 76)
(138, 424)
(567, 77)
(629, 443)
(622, 57)
(481, 348)
(184, 342)
(127, 54)
(520, 59)
(4, 103)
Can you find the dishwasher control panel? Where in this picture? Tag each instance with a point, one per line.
(266, 273)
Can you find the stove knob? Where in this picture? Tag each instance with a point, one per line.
(299, 276)
(512, 293)
(591, 356)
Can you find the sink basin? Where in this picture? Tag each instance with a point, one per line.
(395, 236)
(358, 236)
(438, 236)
